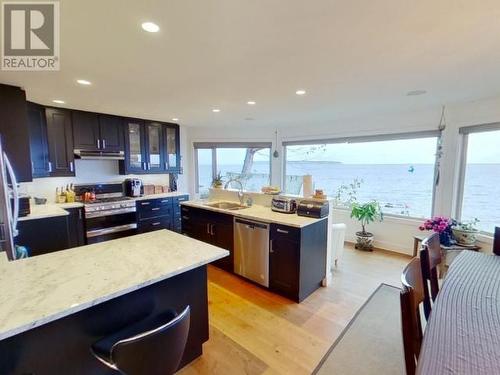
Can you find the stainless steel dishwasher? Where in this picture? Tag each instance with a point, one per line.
(251, 250)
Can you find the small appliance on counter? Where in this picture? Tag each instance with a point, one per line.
(313, 208)
(284, 204)
(24, 205)
(134, 187)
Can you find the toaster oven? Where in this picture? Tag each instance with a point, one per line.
(284, 205)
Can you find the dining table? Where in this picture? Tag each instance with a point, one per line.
(462, 335)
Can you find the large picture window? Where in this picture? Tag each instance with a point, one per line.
(480, 171)
(248, 163)
(396, 171)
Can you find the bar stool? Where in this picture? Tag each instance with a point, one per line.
(153, 346)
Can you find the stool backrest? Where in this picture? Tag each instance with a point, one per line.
(411, 297)
(430, 259)
(155, 352)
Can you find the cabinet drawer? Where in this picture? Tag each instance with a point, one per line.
(181, 198)
(283, 231)
(153, 211)
(160, 202)
(156, 223)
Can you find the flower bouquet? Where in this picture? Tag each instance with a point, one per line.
(441, 225)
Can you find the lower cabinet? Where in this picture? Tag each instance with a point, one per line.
(76, 227)
(159, 213)
(42, 236)
(211, 227)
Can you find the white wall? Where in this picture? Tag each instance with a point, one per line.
(394, 234)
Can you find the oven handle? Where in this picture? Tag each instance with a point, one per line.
(90, 215)
(104, 231)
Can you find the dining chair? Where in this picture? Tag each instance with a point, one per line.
(411, 297)
(430, 259)
(496, 241)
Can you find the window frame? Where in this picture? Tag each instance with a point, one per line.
(215, 145)
(375, 138)
(464, 133)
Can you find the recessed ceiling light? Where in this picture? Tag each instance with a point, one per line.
(175, 119)
(58, 101)
(249, 119)
(416, 92)
(150, 27)
(300, 92)
(216, 110)
(251, 102)
(83, 82)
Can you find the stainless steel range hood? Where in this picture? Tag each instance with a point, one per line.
(99, 155)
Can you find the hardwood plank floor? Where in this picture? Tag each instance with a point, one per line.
(253, 331)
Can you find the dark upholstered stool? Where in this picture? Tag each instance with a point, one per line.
(153, 346)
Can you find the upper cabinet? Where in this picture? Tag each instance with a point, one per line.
(60, 141)
(150, 147)
(14, 131)
(39, 147)
(96, 132)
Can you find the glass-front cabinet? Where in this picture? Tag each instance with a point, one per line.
(151, 147)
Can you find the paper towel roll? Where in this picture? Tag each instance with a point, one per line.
(307, 186)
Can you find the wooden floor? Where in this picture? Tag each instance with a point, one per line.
(253, 331)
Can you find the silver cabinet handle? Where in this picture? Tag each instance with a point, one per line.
(71, 166)
(185, 217)
(164, 201)
(271, 246)
(156, 223)
(155, 209)
(281, 231)
(166, 165)
(98, 143)
(103, 143)
(50, 166)
(208, 230)
(144, 166)
(145, 203)
(212, 226)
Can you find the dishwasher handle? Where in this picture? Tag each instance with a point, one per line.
(251, 224)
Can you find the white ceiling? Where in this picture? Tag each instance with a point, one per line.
(354, 57)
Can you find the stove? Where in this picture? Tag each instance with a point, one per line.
(111, 215)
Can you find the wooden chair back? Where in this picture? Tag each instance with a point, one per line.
(430, 259)
(411, 297)
(496, 241)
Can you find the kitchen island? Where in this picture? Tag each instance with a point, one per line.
(54, 306)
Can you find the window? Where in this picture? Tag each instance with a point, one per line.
(480, 171)
(248, 163)
(397, 171)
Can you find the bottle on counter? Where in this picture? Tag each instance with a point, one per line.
(60, 195)
(70, 194)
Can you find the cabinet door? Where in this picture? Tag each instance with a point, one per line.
(112, 138)
(14, 130)
(60, 140)
(38, 141)
(154, 147)
(222, 236)
(284, 263)
(134, 147)
(76, 227)
(86, 131)
(171, 148)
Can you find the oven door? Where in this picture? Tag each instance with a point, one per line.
(108, 225)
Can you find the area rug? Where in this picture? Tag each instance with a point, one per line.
(372, 342)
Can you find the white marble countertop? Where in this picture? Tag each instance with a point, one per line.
(44, 288)
(44, 211)
(162, 195)
(260, 213)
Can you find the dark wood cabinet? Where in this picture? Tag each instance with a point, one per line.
(39, 148)
(42, 236)
(14, 131)
(112, 133)
(86, 134)
(172, 148)
(297, 259)
(60, 141)
(211, 227)
(76, 227)
(154, 155)
(135, 148)
(159, 213)
(97, 132)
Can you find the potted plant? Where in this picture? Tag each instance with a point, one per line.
(217, 181)
(466, 232)
(365, 213)
(441, 225)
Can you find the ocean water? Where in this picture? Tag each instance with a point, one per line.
(401, 189)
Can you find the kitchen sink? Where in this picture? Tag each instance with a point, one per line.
(226, 205)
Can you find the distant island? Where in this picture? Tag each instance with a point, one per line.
(314, 161)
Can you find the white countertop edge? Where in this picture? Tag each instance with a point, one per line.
(83, 306)
(244, 215)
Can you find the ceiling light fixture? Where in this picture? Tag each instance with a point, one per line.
(251, 102)
(416, 92)
(58, 101)
(175, 119)
(300, 92)
(83, 82)
(150, 27)
(216, 110)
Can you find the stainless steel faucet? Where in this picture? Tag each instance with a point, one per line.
(240, 192)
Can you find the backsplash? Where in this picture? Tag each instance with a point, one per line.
(87, 171)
